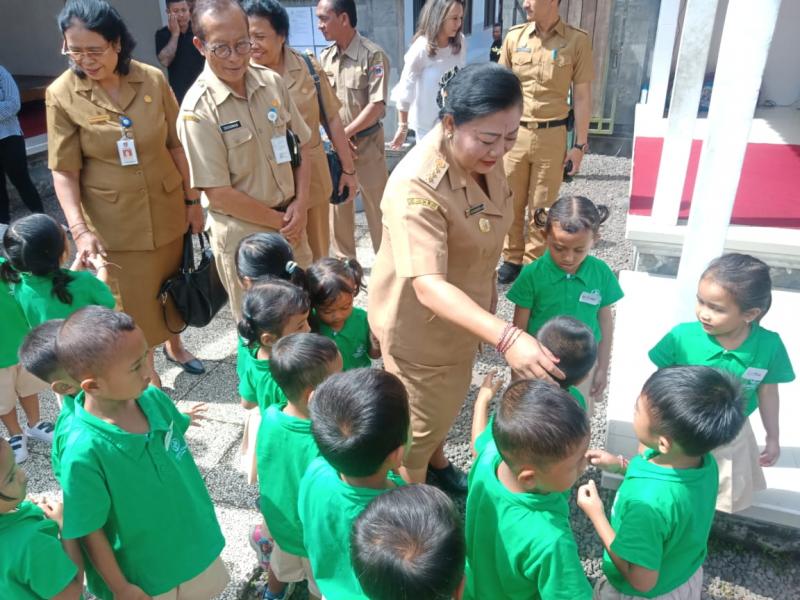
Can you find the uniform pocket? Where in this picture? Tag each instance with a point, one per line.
(172, 181)
(110, 196)
(237, 137)
(521, 58)
(557, 71)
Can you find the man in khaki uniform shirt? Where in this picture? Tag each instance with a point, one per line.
(358, 70)
(549, 57)
(233, 124)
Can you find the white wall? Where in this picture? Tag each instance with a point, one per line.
(782, 74)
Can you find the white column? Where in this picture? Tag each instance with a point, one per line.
(740, 68)
(698, 23)
(662, 55)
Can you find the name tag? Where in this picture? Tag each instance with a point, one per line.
(755, 375)
(230, 126)
(127, 152)
(592, 297)
(98, 119)
(281, 149)
(475, 209)
(523, 49)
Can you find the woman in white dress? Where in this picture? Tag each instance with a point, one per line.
(437, 47)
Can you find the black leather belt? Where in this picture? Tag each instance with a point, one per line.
(544, 124)
(368, 131)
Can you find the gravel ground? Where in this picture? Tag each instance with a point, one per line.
(731, 571)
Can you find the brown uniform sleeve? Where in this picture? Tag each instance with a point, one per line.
(171, 110)
(418, 228)
(205, 150)
(328, 97)
(63, 137)
(296, 121)
(505, 51)
(584, 63)
(378, 77)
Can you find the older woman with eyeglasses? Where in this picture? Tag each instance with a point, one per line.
(119, 171)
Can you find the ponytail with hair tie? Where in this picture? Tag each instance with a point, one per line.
(291, 266)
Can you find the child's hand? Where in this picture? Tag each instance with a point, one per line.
(771, 453)
(589, 500)
(196, 414)
(52, 510)
(599, 382)
(492, 382)
(605, 461)
(96, 261)
(80, 262)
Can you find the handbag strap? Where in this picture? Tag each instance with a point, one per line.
(187, 261)
(315, 77)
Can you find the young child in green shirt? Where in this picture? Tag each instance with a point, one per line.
(360, 421)
(285, 447)
(572, 343)
(734, 294)
(37, 247)
(132, 490)
(656, 541)
(16, 383)
(566, 280)
(519, 541)
(409, 543)
(332, 286)
(35, 562)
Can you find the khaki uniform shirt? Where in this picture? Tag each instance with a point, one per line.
(228, 138)
(135, 207)
(359, 75)
(301, 87)
(436, 220)
(547, 67)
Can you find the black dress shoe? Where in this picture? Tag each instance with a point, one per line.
(193, 367)
(508, 272)
(449, 479)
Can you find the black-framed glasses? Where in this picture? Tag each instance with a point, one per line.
(241, 48)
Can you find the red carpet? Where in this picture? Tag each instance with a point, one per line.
(769, 188)
(32, 118)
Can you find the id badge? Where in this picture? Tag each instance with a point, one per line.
(592, 298)
(281, 149)
(754, 374)
(127, 152)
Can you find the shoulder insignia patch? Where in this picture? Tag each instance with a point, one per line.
(435, 173)
(426, 202)
(190, 117)
(193, 95)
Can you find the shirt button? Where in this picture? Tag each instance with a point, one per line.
(138, 172)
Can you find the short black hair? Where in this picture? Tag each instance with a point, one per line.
(574, 346)
(537, 422)
(478, 90)
(301, 361)
(573, 214)
(329, 277)
(203, 7)
(699, 407)
(358, 418)
(267, 306)
(83, 354)
(271, 10)
(168, 2)
(37, 354)
(99, 16)
(409, 543)
(745, 278)
(261, 256)
(345, 6)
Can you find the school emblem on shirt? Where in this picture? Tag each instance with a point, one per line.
(484, 225)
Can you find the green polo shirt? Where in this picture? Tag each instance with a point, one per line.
(284, 449)
(144, 491)
(15, 327)
(61, 433)
(35, 296)
(549, 292)
(352, 340)
(761, 358)
(576, 393)
(518, 545)
(328, 507)
(662, 518)
(256, 383)
(33, 563)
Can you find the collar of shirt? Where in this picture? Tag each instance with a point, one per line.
(745, 353)
(352, 49)
(642, 466)
(293, 67)
(126, 92)
(124, 440)
(220, 90)
(555, 274)
(558, 29)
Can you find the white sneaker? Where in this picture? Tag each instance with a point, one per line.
(42, 431)
(19, 444)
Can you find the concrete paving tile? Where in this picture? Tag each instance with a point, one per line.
(210, 442)
(218, 389)
(237, 554)
(227, 483)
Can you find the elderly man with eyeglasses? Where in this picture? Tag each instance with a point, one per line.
(233, 125)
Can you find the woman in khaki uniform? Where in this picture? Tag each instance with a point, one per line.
(446, 210)
(118, 167)
(269, 29)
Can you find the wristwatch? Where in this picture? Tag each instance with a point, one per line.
(190, 202)
(582, 147)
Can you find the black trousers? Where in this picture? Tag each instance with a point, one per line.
(14, 163)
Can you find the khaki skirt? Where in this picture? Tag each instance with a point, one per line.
(740, 474)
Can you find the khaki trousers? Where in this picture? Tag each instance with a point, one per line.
(740, 474)
(226, 233)
(372, 175)
(691, 590)
(207, 585)
(534, 169)
(317, 226)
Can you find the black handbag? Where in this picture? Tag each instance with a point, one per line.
(196, 291)
(334, 164)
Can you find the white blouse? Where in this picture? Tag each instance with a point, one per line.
(419, 82)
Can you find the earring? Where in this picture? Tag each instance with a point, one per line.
(450, 136)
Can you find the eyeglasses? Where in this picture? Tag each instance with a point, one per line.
(81, 54)
(224, 51)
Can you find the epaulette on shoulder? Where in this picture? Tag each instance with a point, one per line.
(583, 31)
(434, 174)
(519, 26)
(193, 96)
